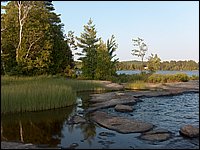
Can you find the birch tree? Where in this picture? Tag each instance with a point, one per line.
(139, 50)
(23, 10)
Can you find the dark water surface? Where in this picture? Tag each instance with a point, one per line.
(50, 128)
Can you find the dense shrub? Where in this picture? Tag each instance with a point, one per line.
(158, 78)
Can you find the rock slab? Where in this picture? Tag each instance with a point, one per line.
(120, 124)
(123, 108)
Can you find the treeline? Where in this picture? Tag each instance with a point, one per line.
(165, 65)
(33, 43)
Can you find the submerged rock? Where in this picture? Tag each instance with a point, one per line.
(123, 108)
(189, 131)
(120, 124)
(156, 135)
(76, 119)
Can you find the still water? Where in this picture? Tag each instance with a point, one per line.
(51, 128)
(189, 73)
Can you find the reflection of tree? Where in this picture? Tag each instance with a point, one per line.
(21, 131)
(89, 131)
(2, 136)
(37, 128)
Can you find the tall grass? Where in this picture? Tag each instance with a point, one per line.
(20, 94)
(136, 85)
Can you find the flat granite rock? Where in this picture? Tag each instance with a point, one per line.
(120, 124)
(123, 108)
(156, 135)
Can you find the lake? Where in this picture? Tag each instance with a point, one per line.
(189, 73)
(51, 128)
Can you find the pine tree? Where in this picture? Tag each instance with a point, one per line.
(88, 41)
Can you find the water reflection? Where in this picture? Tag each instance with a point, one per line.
(45, 127)
(51, 128)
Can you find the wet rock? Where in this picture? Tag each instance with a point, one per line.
(189, 131)
(76, 119)
(123, 108)
(73, 145)
(107, 134)
(120, 124)
(17, 145)
(156, 135)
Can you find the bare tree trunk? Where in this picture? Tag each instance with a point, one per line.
(3, 65)
(20, 30)
(142, 65)
(31, 46)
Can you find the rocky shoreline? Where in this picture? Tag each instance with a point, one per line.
(122, 99)
(111, 99)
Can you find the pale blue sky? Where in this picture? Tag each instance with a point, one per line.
(170, 29)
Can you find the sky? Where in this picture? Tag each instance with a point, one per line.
(169, 28)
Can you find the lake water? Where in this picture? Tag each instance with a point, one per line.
(189, 73)
(51, 128)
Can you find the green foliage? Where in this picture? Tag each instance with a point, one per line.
(88, 41)
(97, 57)
(43, 49)
(105, 66)
(153, 63)
(158, 78)
(19, 94)
(124, 78)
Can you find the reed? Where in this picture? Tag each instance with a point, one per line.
(21, 94)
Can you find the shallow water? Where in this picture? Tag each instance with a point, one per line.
(50, 128)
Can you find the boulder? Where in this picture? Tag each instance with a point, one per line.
(120, 124)
(123, 108)
(189, 131)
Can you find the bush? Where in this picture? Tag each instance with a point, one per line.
(124, 78)
(194, 77)
(158, 78)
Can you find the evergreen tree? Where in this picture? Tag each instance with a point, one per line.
(88, 41)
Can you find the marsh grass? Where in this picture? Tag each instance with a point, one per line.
(20, 94)
(136, 85)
